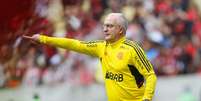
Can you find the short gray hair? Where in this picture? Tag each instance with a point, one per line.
(122, 21)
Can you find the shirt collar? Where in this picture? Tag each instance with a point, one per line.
(122, 39)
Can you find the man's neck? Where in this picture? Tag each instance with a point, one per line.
(115, 40)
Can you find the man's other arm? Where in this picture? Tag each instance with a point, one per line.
(146, 69)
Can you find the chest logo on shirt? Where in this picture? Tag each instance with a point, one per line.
(105, 53)
(120, 55)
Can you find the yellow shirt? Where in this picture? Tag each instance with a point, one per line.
(124, 64)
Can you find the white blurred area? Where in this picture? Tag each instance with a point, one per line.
(170, 35)
(180, 88)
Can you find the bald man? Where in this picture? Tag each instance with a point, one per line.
(128, 74)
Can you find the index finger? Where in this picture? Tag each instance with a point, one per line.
(27, 37)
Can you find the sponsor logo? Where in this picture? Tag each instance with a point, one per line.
(91, 45)
(114, 76)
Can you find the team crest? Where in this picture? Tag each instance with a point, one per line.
(120, 55)
(105, 53)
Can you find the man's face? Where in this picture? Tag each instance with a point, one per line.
(111, 29)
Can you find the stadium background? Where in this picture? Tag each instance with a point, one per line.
(169, 30)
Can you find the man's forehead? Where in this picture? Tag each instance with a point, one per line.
(110, 19)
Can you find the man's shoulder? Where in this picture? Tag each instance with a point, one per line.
(132, 44)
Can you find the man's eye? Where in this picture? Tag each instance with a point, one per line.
(108, 25)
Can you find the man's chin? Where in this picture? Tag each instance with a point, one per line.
(107, 39)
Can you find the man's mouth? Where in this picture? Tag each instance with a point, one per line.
(107, 34)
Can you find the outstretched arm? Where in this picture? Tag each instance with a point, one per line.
(90, 48)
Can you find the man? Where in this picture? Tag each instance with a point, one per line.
(124, 64)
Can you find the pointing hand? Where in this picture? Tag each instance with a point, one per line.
(34, 38)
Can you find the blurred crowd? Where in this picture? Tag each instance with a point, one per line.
(168, 30)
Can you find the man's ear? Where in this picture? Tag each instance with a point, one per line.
(121, 30)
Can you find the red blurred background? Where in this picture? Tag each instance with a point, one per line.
(13, 14)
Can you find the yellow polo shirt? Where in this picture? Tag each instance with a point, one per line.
(128, 74)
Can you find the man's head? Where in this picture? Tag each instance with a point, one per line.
(114, 27)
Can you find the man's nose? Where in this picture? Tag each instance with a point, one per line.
(105, 29)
